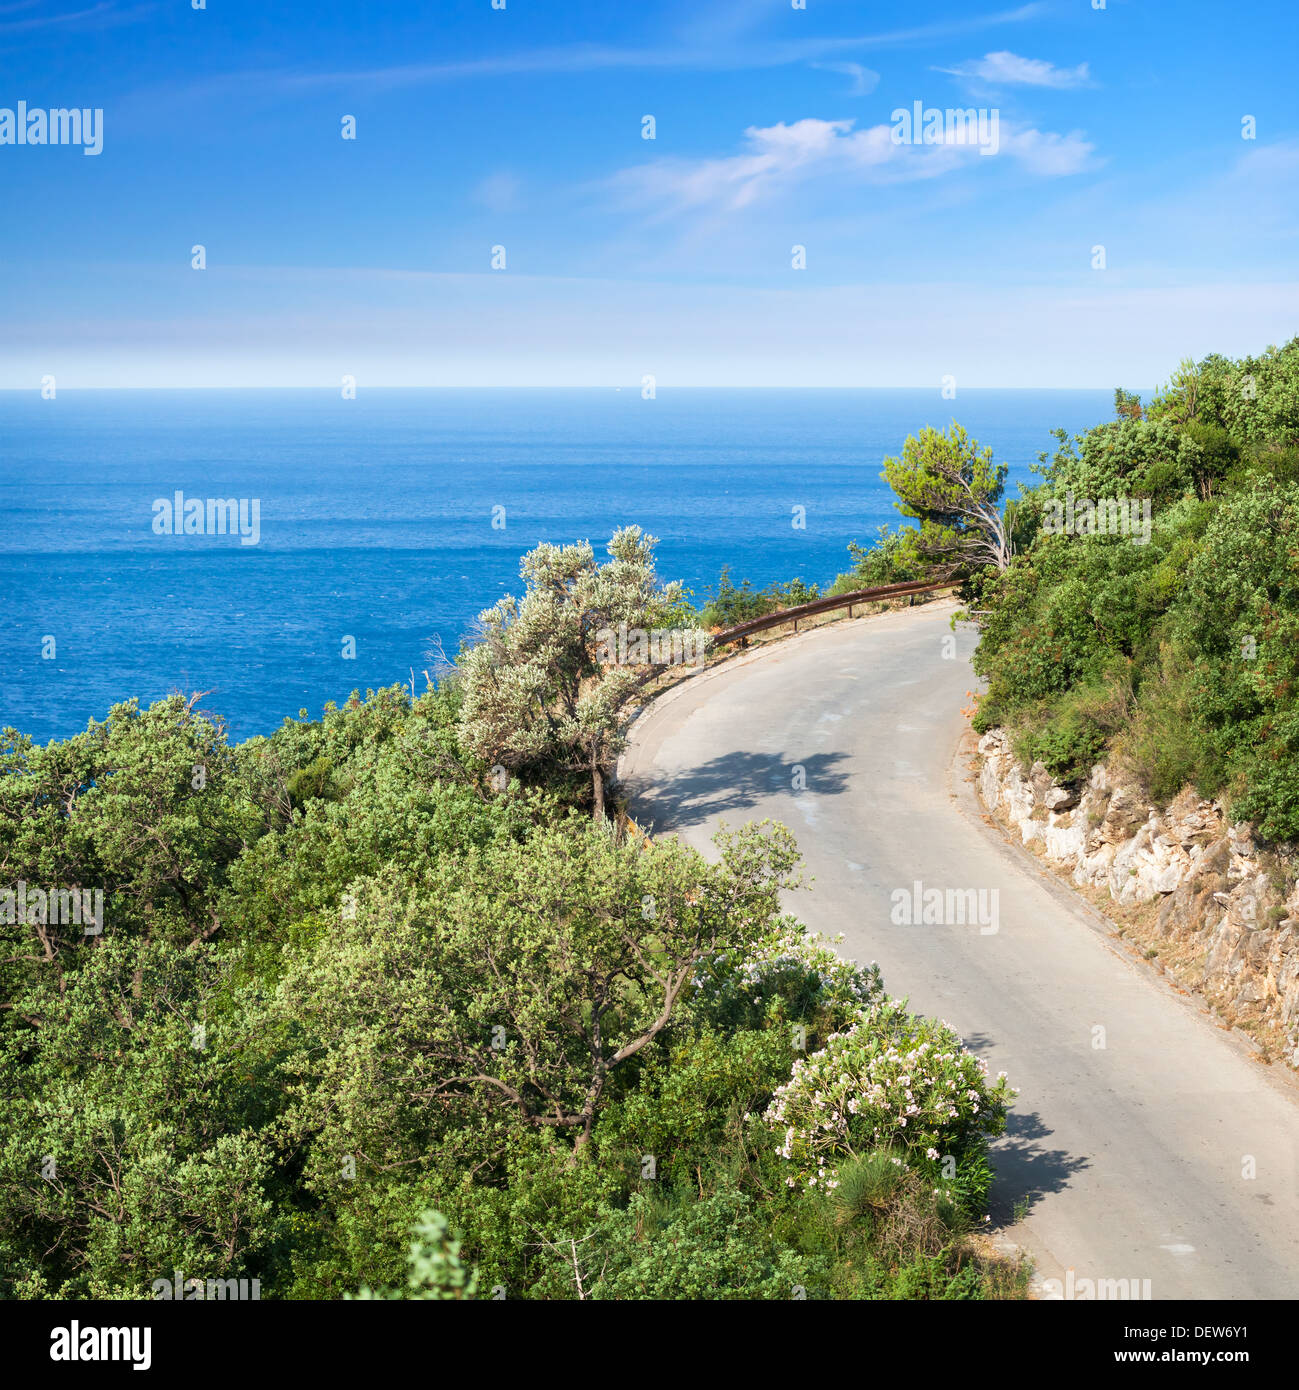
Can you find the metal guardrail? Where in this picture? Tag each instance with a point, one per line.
(741, 631)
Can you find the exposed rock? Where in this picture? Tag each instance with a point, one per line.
(1167, 879)
(1063, 838)
(1041, 781)
(1125, 812)
(1215, 894)
(1214, 859)
(1183, 912)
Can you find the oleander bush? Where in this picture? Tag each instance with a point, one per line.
(892, 1082)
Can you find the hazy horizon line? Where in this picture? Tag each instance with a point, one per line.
(333, 389)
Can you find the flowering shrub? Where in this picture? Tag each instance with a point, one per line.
(796, 967)
(892, 1081)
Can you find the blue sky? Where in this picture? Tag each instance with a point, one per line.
(479, 127)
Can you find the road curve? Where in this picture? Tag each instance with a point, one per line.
(1131, 1159)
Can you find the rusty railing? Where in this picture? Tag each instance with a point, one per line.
(742, 631)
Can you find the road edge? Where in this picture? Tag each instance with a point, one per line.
(962, 786)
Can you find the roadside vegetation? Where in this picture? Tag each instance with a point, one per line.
(1140, 602)
(1175, 650)
(391, 1004)
(730, 604)
(395, 1003)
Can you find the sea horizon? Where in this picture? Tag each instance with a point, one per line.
(396, 517)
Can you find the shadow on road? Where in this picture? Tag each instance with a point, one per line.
(730, 783)
(1027, 1168)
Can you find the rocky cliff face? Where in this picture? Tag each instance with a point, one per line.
(1222, 917)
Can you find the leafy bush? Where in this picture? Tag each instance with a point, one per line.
(349, 986)
(795, 972)
(712, 1247)
(896, 1081)
(435, 1270)
(1197, 631)
(892, 559)
(729, 604)
(690, 1100)
(1075, 735)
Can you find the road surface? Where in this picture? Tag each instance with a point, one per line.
(1139, 1120)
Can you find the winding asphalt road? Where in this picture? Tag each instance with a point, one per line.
(1131, 1158)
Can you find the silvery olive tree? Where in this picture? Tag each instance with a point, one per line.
(536, 691)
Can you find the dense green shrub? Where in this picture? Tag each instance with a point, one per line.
(682, 1245)
(891, 559)
(434, 1267)
(346, 980)
(785, 973)
(1179, 655)
(691, 1099)
(730, 604)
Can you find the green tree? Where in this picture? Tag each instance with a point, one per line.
(1127, 404)
(953, 489)
(434, 1267)
(536, 692)
(129, 1143)
(508, 995)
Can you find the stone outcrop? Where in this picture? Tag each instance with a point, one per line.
(1228, 917)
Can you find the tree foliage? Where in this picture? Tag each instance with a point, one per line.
(535, 691)
(953, 489)
(1178, 655)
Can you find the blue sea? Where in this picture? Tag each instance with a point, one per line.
(376, 520)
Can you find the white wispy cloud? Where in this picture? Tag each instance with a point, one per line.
(686, 50)
(106, 14)
(498, 192)
(779, 157)
(775, 159)
(1006, 69)
(864, 79)
(1046, 152)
